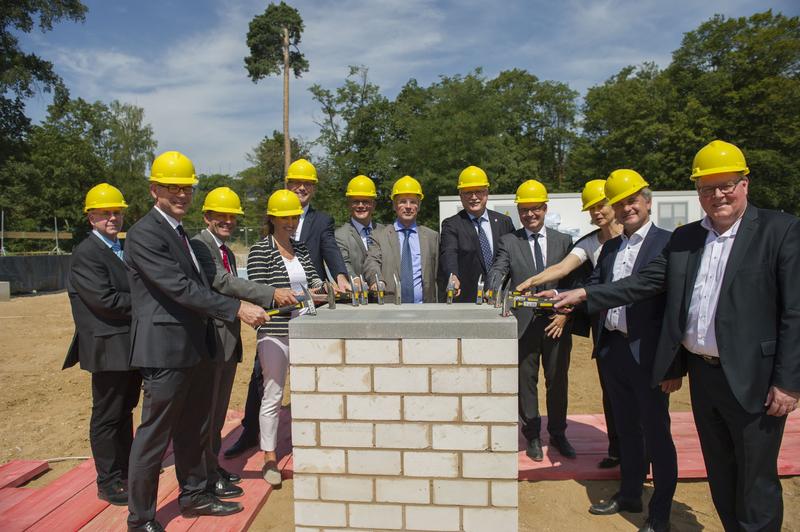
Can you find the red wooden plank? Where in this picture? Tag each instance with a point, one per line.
(17, 472)
(11, 496)
(74, 513)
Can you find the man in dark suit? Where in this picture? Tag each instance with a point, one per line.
(172, 342)
(731, 319)
(521, 254)
(354, 237)
(100, 298)
(469, 238)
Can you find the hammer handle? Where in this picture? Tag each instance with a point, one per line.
(284, 310)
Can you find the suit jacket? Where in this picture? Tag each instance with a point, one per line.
(514, 258)
(229, 336)
(352, 248)
(172, 301)
(644, 317)
(460, 251)
(757, 320)
(384, 258)
(100, 298)
(318, 236)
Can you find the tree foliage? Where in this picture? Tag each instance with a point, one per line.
(265, 40)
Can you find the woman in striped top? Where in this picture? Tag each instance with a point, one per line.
(281, 262)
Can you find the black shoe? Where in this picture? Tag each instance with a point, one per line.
(116, 494)
(563, 446)
(210, 505)
(655, 525)
(222, 489)
(608, 462)
(150, 526)
(242, 444)
(233, 478)
(534, 450)
(616, 505)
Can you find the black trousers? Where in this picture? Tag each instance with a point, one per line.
(740, 450)
(535, 350)
(224, 373)
(608, 413)
(642, 419)
(114, 396)
(252, 405)
(175, 406)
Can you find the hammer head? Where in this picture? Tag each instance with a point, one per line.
(331, 295)
(398, 290)
(308, 302)
(364, 294)
(506, 302)
(451, 288)
(479, 297)
(380, 287)
(353, 293)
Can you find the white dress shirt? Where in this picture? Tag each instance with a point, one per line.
(487, 228)
(542, 243)
(701, 336)
(617, 318)
(174, 224)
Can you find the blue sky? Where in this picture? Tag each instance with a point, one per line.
(182, 61)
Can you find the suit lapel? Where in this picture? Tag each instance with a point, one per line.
(394, 245)
(425, 258)
(525, 250)
(494, 223)
(469, 227)
(608, 270)
(741, 243)
(179, 250)
(307, 223)
(644, 252)
(696, 247)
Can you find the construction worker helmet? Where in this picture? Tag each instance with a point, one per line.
(593, 193)
(223, 199)
(104, 196)
(302, 170)
(531, 191)
(173, 168)
(284, 203)
(623, 183)
(472, 176)
(718, 157)
(407, 185)
(362, 187)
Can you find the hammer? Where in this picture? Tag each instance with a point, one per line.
(398, 290)
(479, 297)
(451, 288)
(351, 296)
(307, 302)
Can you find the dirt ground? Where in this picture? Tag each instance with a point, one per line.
(44, 414)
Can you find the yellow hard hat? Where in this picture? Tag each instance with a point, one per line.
(472, 176)
(223, 199)
(284, 203)
(718, 157)
(407, 185)
(173, 168)
(104, 196)
(622, 184)
(593, 193)
(361, 186)
(531, 191)
(302, 170)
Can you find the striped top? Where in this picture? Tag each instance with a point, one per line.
(265, 265)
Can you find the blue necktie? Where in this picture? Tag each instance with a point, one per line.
(407, 269)
(486, 249)
(368, 233)
(537, 254)
(116, 247)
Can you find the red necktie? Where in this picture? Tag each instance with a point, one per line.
(225, 262)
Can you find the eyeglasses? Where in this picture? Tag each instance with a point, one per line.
(726, 188)
(176, 189)
(364, 202)
(530, 210)
(476, 193)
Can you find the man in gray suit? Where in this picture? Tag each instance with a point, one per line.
(523, 253)
(354, 237)
(405, 249)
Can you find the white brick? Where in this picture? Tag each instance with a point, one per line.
(304, 433)
(345, 434)
(430, 351)
(505, 493)
(401, 380)
(316, 351)
(430, 408)
(305, 529)
(461, 492)
(318, 461)
(432, 518)
(408, 490)
(497, 408)
(460, 437)
(458, 380)
(372, 351)
(346, 489)
(483, 519)
(373, 462)
(303, 379)
(402, 435)
(492, 352)
(383, 516)
(504, 380)
(305, 486)
(505, 437)
(429, 464)
(320, 513)
(373, 407)
(345, 379)
(317, 406)
(490, 465)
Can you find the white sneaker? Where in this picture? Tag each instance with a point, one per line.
(272, 475)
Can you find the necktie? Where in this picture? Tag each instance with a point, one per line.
(368, 234)
(486, 249)
(184, 241)
(116, 247)
(537, 254)
(225, 262)
(407, 269)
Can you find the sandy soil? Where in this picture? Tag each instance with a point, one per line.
(45, 413)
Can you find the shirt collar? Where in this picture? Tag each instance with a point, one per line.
(217, 241)
(107, 241)
(484, 216)
(541, 233)
(730, 233)
(358, 225)
(172, 221)
(400, 227)
(639, 234)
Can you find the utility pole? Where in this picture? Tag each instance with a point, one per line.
(287, 145)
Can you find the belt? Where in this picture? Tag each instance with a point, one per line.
(711, 361)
